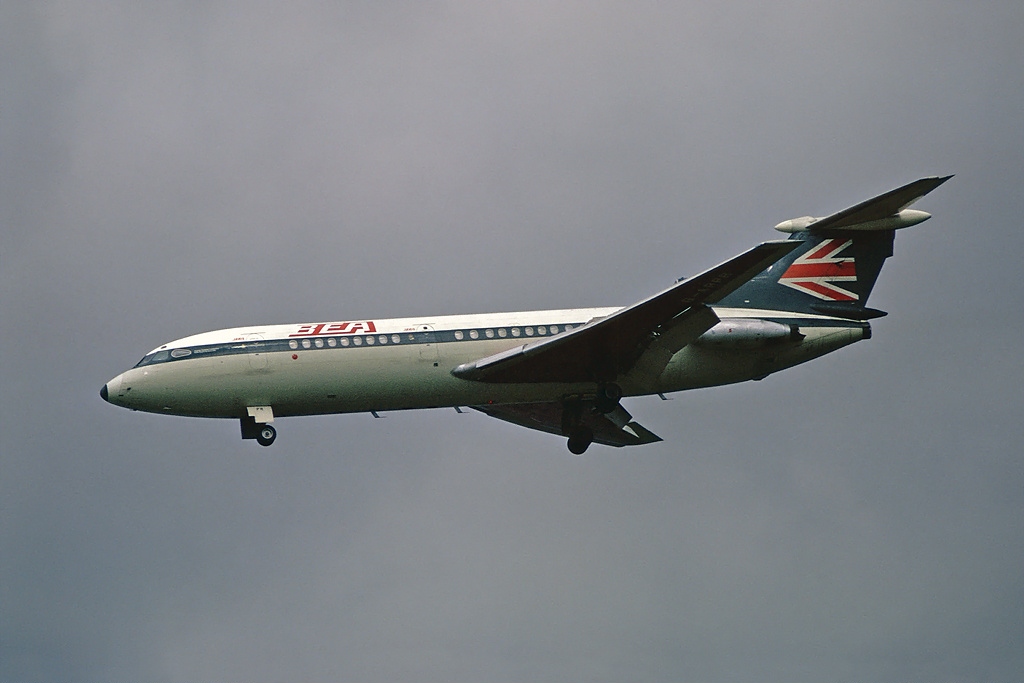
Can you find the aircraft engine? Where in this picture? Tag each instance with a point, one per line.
(743, 333)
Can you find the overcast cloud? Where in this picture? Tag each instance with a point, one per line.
(170, 169)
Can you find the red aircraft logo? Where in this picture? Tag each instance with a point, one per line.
(817, 272)
(313, 329)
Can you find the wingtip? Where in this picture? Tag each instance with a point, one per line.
(929, 183)
(936, 180)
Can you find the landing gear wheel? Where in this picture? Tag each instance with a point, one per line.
(580, 440)
(607, 398)
(266, 435)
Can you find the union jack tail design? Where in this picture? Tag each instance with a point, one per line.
(819, 271)
(836, 267)
(828, 270)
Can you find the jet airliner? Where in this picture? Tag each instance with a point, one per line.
(779, 304)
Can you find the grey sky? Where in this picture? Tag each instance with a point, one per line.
(168, 169)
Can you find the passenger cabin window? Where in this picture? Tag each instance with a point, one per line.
(369, 340)
(344, 341)
(319, 343)
(383, 339)
(396, 338)
(528, 331)
(358, 341)
(305, 343)
(458, 335)
(489, 334)
(332, 342)
(554, 329)
(293, 343)
(474, 334)
(515, 331)
(502, 332)
(542, 330)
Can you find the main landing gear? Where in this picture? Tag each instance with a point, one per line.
(607, 398)
(580, 439)
(573, 410)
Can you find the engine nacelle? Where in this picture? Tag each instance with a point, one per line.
(745, 333)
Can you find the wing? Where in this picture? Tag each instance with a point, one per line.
(607, 347)
(613, 429)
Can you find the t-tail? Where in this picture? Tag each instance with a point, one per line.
(835, 269)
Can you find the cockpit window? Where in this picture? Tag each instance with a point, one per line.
(153, 358)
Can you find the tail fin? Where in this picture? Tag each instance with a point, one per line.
(835, 269)
(830, 274)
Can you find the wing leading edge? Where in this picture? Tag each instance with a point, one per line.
(608, 347)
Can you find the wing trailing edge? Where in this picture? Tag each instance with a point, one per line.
(613, 429)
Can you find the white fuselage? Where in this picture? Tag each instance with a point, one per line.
(406, 363)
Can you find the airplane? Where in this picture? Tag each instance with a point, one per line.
(779, 304)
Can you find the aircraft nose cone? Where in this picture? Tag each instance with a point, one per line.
(113, 391)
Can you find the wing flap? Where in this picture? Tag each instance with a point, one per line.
(603, 349)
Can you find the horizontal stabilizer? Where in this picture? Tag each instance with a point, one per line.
(887, 211)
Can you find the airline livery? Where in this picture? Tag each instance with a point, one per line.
(565, 372)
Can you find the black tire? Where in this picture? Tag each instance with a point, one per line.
(266, 435)
(580, 440)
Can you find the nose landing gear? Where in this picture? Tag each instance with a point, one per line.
(255, 425)
(266, 435)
